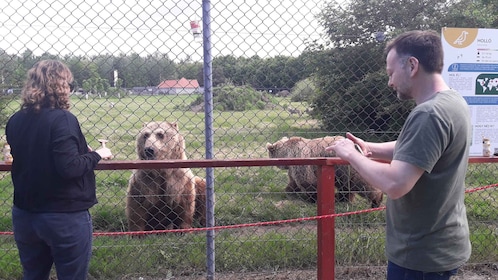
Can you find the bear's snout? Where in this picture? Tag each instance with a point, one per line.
(149, 153)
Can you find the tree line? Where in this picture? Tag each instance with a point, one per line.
(98, 72)
(346, 73)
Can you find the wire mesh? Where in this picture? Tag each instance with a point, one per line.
(279, 69)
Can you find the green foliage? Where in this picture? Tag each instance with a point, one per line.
(356, 22)
(95, 85)
(354, 97)
(353, 93)
(96, 73)
(304, 91)
(232, 98)
(471, 13)
(228, 97)
(278, 72)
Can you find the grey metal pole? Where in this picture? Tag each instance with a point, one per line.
(208, 111)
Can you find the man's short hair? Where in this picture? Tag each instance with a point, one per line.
(426, 46)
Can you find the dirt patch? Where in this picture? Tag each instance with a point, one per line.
(468, 272)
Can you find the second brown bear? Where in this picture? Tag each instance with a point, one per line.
(303, 179)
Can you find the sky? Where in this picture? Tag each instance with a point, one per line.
(89, 27)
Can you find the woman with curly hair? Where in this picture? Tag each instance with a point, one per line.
(53, 177)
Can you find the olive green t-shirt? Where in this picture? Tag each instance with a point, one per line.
(427, 228)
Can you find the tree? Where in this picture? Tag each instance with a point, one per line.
(189, 70)
(350, 71)
(96, 85)
(474, 14)
(159, 68)
(304, 91)
(279, 72)
(11, 73)
(27, 59)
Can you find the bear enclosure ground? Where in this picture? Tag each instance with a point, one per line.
(468, 272)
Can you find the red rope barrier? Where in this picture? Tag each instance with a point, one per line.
(258, 224)
(481, 188)
(269, 223)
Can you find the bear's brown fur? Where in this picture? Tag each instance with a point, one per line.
(200, 200)
(303, 179)
(164, 198)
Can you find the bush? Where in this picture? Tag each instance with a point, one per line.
(228, 97)
(304, 91)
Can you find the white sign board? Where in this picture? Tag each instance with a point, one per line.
(471, 68)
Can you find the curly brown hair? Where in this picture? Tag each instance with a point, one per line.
(47, 86)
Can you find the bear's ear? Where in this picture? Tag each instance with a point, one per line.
(174, 125)
(144, 124)
(284, 139)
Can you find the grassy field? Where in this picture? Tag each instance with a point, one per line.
(243, 195)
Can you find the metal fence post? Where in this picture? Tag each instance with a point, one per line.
(326, 231)
(208, 109)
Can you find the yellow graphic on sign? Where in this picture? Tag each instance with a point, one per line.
(460, 37)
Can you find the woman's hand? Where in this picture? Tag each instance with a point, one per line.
(105, 153)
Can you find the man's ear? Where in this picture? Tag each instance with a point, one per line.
(413, 64)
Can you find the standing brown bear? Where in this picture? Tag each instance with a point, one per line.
(303, 178)
(164, 198)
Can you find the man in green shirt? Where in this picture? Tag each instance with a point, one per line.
(427, 234)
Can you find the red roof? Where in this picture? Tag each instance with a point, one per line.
(182, 83)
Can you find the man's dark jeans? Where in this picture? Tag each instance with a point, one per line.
(396, 272)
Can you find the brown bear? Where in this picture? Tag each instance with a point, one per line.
(303, 179)
(164, 198)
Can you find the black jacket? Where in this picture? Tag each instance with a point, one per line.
(52, 169)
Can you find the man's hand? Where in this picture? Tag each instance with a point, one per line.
(343, 148)
(363, 146)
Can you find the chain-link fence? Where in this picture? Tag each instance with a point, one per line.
(277, 69)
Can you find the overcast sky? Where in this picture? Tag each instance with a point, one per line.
(90, 27)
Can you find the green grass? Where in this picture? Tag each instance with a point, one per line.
(481, 206)
(484, 239)
(243, 195)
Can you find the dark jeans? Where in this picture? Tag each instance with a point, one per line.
(396, 272)
(47, 238)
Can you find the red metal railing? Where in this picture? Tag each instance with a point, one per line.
(325, 205)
